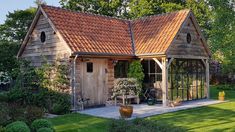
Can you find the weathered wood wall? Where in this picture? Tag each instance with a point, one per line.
(110, 77)
(180, 46)
(51, 50)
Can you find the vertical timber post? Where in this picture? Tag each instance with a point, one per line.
(164, 82)
(207, 79)
(71, 84)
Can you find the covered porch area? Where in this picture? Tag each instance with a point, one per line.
(176, 77)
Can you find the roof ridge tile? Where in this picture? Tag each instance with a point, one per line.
(157, 15)
(88, 13)
(113, 17)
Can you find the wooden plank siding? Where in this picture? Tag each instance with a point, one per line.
(94, 84)
(110, 77)
(180, 47)
(52, 50)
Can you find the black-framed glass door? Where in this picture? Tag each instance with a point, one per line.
(186, 80)
(152, 78)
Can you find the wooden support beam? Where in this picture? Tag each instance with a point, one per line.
(164, 82)
(204, 63)
(169, 63)
(158, 62)
(207, 79)
(187, 57)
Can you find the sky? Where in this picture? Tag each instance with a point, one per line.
(11, 5)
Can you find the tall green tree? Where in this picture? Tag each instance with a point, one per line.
(16, 25)
(116, 8)
(8, 61)
(222, 35)
(140, 8)
(202, 13)
(12, 33)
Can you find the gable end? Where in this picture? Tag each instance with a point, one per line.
(36, 51)
(182, 47)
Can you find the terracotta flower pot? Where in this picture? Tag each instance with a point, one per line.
(126, 111)
(221, 98)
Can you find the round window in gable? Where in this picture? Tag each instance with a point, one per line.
(43, 37)
(189, 38)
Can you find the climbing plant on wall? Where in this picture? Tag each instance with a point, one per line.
(136, 71)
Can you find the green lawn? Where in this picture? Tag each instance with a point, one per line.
(219, 117)
(79, 123)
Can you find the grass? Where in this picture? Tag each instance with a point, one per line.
(218, 117)
(79, 123)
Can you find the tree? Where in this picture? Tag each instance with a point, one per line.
(8, 61)
(222, 35)
(12, 33)
(116, 8)
(170, 7)
(202, 13)
(40, 2)
(140, 8)
(16, 25)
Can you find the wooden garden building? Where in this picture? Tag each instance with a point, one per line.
(98, 49)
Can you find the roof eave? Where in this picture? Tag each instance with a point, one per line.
(101, 54)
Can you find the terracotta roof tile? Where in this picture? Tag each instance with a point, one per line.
(154, 34)
(86, 32)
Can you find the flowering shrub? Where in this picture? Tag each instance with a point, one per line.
(126, 86)
(4, 78)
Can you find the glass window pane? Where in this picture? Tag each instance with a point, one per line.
(89, 67)
(121, 69)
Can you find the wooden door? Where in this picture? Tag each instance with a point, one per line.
(94, 81)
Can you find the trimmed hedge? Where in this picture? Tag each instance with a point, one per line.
(2, 129)
(41, 123)
(142, 125)
(17, 126)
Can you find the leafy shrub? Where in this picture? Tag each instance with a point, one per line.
(17, 126)
(59, 108)
(35, 88)
(136, 71)
(16, 112)
(33, 112)
(45, 129)
(41, 97)
(119, 125)
(2, 129)
(225, 87)
(41, 123)
(142, 125)
(4, 114)
(3, 96)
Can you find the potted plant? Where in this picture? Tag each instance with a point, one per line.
(125, 87)
(221, 96)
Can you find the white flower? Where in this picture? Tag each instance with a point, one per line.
(4, 78)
